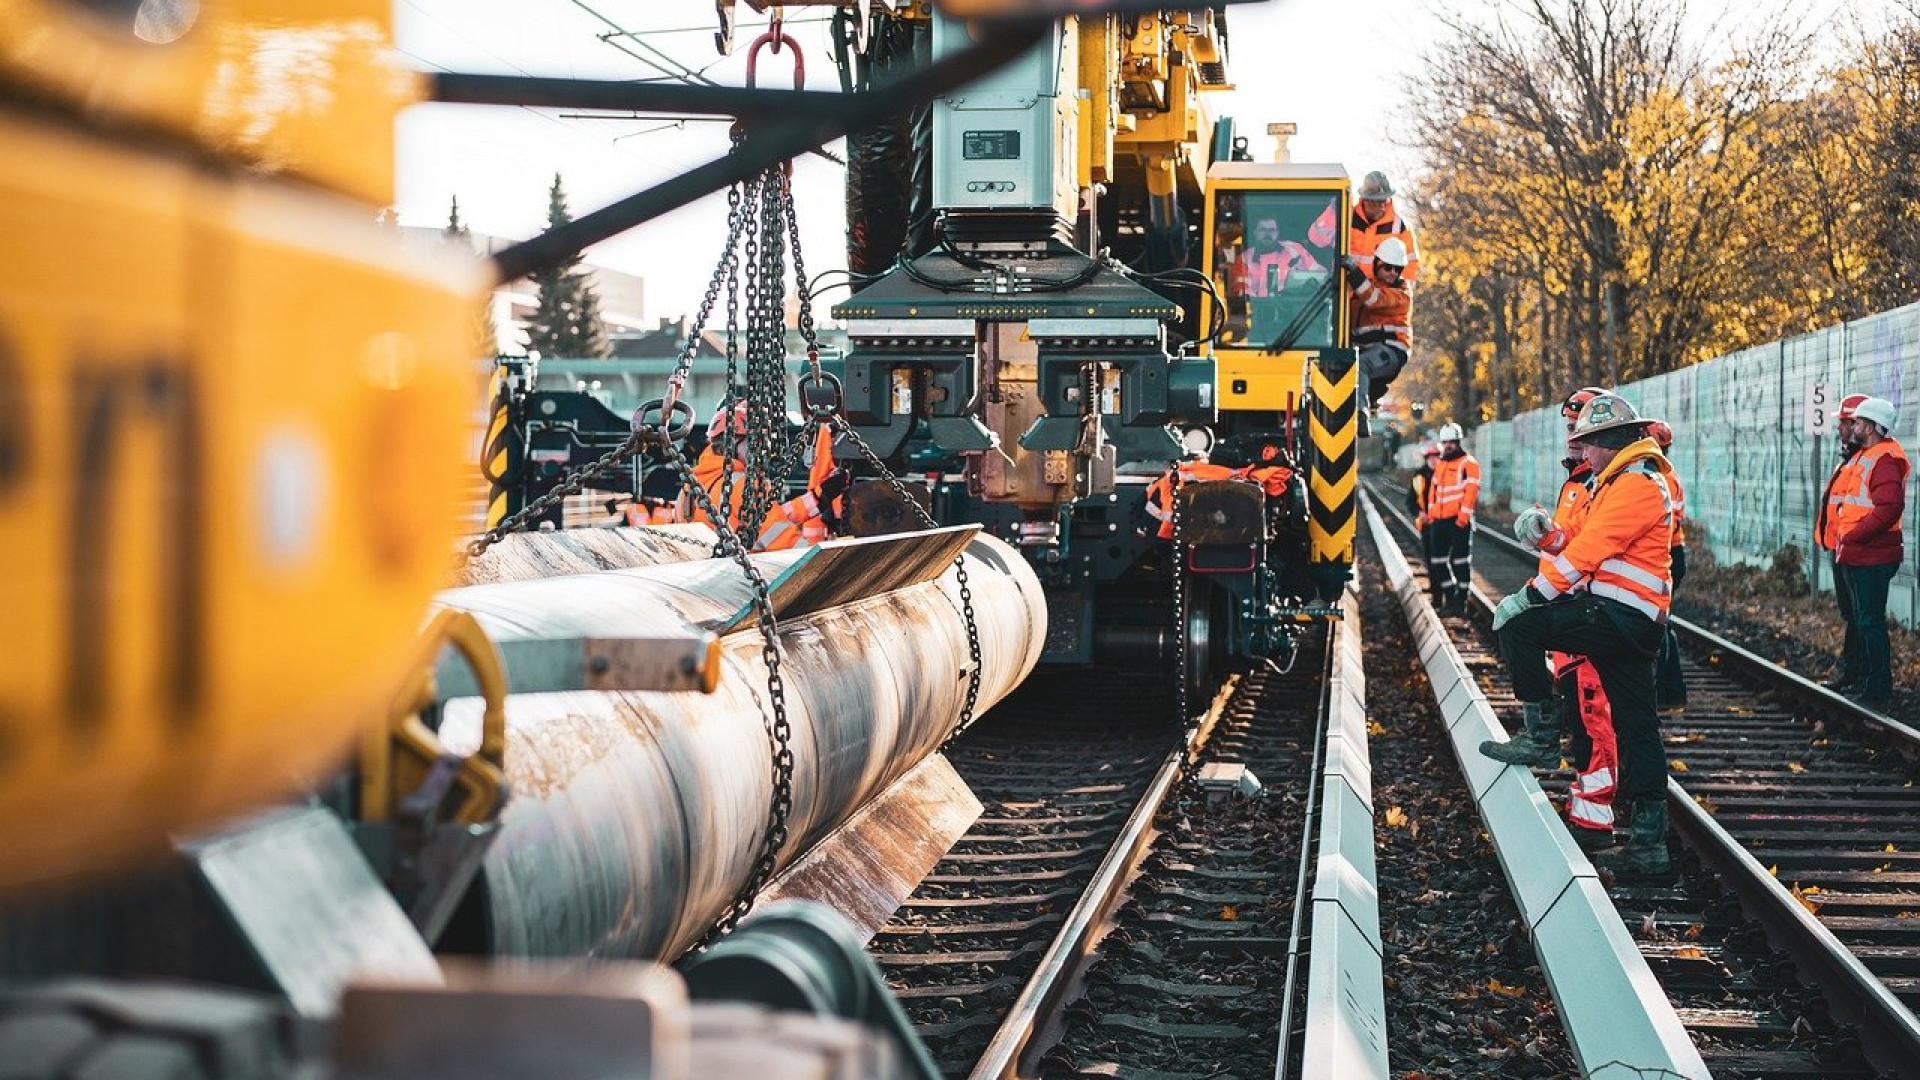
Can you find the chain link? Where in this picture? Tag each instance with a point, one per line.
(570, 484)
(1183, 617)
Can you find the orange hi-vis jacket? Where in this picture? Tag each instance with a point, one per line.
(794, 523)
(1850, 502)
(1623, 549)
(1679, 508)
(1363, 236)
(1383, 313)
(1454, 489)
(1161, 492)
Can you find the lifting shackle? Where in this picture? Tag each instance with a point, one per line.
(776, 37)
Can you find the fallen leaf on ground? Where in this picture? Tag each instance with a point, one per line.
(1229, 913)
(1677, 765)
(1689, 952)
(1396, 818)
(1794, 766)
(1504, 990)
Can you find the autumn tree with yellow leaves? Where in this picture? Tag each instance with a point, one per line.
(1606, 198)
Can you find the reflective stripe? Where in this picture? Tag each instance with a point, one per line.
(1594, 783)
(1636, 575)
(1544, 587)
(1463, 561)
(1595, 814)
(1630, 598)
(772, 533)
(1158, 514)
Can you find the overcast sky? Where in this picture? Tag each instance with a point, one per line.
(1333, 67)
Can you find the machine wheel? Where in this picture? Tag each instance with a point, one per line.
(1201, 669)
(94, 1029)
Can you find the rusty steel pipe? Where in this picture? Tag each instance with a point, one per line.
(636, 817)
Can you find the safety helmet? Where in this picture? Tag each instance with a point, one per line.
(1661, 433)
(1604, 413)
(1432, 449)
(1850, 403)
(1450, 433)
(1375, 187)
(1876, 410)
(1570, 406)
(717, 430)
(1392, 251)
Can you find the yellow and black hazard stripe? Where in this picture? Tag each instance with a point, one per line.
(1333, 426)
(500, 450)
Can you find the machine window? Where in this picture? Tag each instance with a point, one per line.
(1274, 258)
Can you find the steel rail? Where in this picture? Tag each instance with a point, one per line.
(1616, 1015)
(1303, 880)
(1067, 955)
(1889, 1032)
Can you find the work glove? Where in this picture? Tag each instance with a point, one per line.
(1533, 523)
(833, 485)
(1515, 603)
(1352, 272)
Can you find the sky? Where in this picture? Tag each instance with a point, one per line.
(1335, 68)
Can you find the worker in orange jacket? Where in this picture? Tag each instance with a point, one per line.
(1375, 220)
(1860, 524)
(1166, 488)
(1382, 317)
(1451, 498)
(1605, 596)
(796, 522)
(1417, 489)
(1591, 746)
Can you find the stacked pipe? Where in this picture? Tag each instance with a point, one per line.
(637, 817)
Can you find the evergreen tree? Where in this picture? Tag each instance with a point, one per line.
(566, 318)
(486, 340)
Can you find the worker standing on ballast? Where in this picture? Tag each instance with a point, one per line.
(1417, 489)
(1604, 596)
(1451, 498)
(1861, 525)
(796, 522)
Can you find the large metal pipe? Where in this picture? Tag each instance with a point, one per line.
(637, 817)
(529, 556)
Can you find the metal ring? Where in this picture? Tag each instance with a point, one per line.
(830, 407)
(666, 426)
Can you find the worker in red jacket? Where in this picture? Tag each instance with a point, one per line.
(1860, 524)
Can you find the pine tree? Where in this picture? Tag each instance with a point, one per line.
(566, 319)
(486, 341)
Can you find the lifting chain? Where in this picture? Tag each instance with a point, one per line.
(570, 484)
(1183, 617)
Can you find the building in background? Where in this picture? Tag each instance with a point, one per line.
(622, 296)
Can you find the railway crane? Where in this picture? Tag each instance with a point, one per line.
(260, 741)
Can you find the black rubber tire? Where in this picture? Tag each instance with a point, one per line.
(97, 1029)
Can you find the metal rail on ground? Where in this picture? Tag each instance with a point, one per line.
(1618, 1020)
(1346, 1007)
(1889, 1031)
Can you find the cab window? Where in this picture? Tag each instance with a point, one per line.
(1274, 261)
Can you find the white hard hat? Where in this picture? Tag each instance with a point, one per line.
(1450, 433)
(1877, 410)
(1375, 186)
(1392, 251)
(1604, 413)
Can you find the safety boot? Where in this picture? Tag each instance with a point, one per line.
(1645, 855)
(1591, 841)
(1538, 745)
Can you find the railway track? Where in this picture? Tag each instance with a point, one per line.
(1791, 942)
(1104, 918)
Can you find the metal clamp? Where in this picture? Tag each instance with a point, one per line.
(406, 756)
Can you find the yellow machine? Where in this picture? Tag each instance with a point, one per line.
(229, 482)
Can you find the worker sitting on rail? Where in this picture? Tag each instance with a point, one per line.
(1374, 221)
(1861, 526)
(1590, 814)
(1605, 596)
(1383, 317)
(797, 522)
(1451, 497)
(1670, 682)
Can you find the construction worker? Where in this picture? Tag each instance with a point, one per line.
(1670, 681)
(1451, 497)
(797, 522)
(1374, 220)
(1826, 534)
(1605, 596)
(1417, 490)
(1264, 268)
(1383, 317)
(1861, 526)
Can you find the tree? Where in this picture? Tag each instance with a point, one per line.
(566, 317)
(486, 340)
